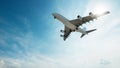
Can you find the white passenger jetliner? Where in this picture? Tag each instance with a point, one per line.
(73, 25)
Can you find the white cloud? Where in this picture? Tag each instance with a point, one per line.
(9, 63)
(2, 64)
(30, 61)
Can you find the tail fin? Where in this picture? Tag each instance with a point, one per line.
(88, 32)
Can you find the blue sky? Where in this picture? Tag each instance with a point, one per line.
(30, 37)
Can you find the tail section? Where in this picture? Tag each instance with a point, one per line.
(87, 32)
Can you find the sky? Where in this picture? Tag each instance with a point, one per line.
(30, 36)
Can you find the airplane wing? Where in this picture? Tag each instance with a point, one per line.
(66, 33)
(78, 22)
(91, 17)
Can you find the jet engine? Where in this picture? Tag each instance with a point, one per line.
(90, 13)
(79, 17)
(62, 31)
(61, 35)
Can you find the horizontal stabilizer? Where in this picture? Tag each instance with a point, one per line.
(87, 32)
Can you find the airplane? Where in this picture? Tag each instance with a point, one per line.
(73, 25)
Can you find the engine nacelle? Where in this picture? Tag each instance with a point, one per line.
(62, 31)
(61, 35)
(79, 17)
(90, 13)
